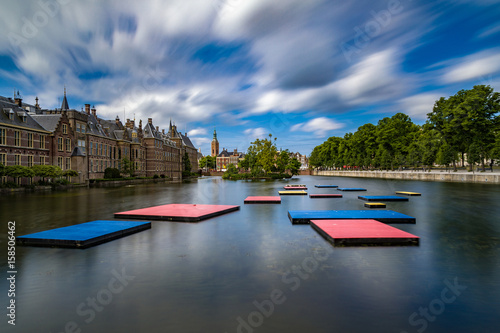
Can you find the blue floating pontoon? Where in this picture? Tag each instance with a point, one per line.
(351, 189)
(386, 216)
(382, 198)
(83, 235)
(326, 186)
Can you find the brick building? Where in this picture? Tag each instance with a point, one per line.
(86, 143)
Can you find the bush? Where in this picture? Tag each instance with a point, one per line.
(162, 176)
(156, 176)
(112, 173)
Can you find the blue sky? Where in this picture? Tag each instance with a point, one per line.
(301, 70)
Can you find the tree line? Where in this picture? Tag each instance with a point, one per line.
(462, 128)
(42, 171)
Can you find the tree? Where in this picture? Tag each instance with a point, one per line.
(186, 163)
(265, 152)
(282, 161)
(467, 117)
(70, 173)
(111, 173)
(2, 170)
(208, 162)
(18, 171)
(127, 166)
(294, 166)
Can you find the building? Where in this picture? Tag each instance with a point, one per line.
(84, 142)
(304, 161)
(23, 141)
(215, 145)
(225, 158)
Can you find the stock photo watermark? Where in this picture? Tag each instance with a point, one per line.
(292, 279)
(11, 272)
(31, 26)
(365, 33)
(420, 319)
(89, 309)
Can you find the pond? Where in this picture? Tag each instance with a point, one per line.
(252, 270)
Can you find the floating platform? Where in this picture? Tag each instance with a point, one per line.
(374, 205)
(362, 232)
(411, 194)
(83, 235)
(351, 189)
(327, 195)
(382, 198)
(386, 216)
(177, 212)
(263, 199)
(326, 186)
(294, 186)
(290, 192)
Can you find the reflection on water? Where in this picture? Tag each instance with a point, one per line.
(252, 270)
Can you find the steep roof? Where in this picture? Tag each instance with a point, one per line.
(187, 141)
(48, 121)
(20, 117)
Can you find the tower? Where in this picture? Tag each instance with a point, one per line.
(215, 145)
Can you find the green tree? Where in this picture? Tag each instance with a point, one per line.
(18, 171)
(265, 152)
(282, 161)
(294, 166)
(186, 163)
(468, 116)
(2, 169)
(127, 167)
(208, 162)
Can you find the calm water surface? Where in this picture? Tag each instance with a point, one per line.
(252, 270)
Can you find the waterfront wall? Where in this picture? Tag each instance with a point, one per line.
(484, 177)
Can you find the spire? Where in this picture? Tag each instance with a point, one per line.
(215, 134)
(64, 105)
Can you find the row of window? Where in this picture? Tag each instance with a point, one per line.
(31, 159)
(17, 139)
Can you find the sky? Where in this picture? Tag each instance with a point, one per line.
(300, 70)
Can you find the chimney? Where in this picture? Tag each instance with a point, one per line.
(36, 103)
(140, 124)
(163, 131)
(87, 108)
(150, 121)
(157, 128)
(18, 101)
(235, 151)
(94, 111)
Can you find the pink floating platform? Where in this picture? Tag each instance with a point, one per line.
(362, 232)
(328, 195)
(263, 199)
(178, 212)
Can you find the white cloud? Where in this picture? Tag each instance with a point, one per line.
(319, 126)
(197, 131)
(418, 106)
(475, 66)
(256, 133)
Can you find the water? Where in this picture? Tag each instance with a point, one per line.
(252, 270)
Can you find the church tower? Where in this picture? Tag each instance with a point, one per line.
(215, 145)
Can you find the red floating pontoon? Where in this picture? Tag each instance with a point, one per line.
(361, 232)
(263, 199)
(178, 212)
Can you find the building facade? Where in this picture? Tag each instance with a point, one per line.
(84, 142)
(225, 158)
